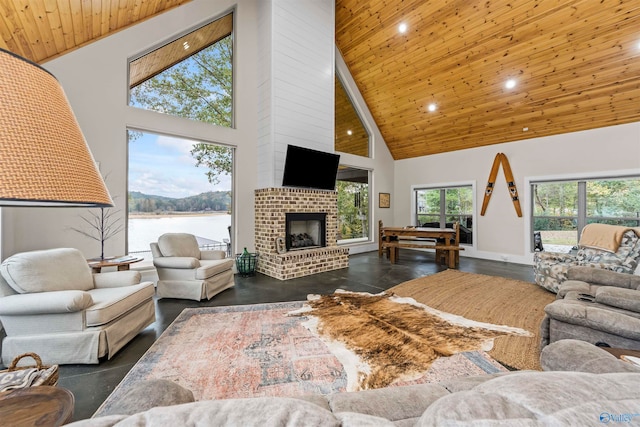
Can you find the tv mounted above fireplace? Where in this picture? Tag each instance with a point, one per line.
(307, 168)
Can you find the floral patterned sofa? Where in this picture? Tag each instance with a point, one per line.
(550, 268)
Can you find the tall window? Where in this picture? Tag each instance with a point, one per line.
(178, 184)
(172, 190)
(190, 77)
(441, 207)
(351, 135)
(353, 204)
(561, 209)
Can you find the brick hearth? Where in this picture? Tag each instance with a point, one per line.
(271, 205)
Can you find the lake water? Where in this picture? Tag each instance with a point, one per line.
(143, 231)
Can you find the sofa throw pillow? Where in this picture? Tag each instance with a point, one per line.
(179, 244)
(61, 269)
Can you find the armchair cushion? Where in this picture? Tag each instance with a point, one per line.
(212, 267)
(624, 260)
(626, 299)
(601, 277)
(115, 279)
(593, 316)
(41, 303)
(111, 303)
(179, 244)
(213, 254)
(176, 262)
(49, 270)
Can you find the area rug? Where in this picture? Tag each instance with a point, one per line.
(489, 299)
(258, 350)
(381, 339)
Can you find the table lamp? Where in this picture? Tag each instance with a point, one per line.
(44, 158)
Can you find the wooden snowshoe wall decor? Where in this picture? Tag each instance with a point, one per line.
(501, 158)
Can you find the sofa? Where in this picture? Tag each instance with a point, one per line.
(595, 305)
(185, 271)
(52, 305)
(601, 246)
(582, 385)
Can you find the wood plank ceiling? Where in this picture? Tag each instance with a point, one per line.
(43, 29)
(576, 65)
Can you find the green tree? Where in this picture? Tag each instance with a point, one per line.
(353, 209)
(198, 88)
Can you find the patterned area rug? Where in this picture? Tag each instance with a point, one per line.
(258, 350)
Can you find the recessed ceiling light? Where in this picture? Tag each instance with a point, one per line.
(402, 28)
(349, 132)
(432, 107)
(510, 84)
(185, 45)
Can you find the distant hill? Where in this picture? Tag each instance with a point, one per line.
(209, 201)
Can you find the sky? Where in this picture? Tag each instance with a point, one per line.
(161, 165)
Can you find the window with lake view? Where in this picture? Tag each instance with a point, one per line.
(170, 192)
(179, 184)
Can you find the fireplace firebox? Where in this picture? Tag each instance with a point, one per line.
(305, 230)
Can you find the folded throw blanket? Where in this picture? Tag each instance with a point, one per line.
(604, 236)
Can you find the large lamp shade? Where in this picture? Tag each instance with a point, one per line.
(44, 158)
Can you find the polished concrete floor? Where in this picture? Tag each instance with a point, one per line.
(91, 384)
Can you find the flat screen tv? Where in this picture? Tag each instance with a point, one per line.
(307, 168)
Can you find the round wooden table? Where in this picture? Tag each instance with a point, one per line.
(36, 406)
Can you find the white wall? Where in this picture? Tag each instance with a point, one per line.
(95, 80)
(500, 233)
(295, 81)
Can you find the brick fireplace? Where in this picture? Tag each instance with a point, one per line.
(308, 211)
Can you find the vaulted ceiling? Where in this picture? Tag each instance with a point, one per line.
(43, 29)
(575, 63)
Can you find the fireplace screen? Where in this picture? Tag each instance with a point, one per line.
(305, 230)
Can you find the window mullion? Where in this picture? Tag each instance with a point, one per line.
(443, 206)
(582, 206)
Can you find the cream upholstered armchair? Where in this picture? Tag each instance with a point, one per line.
(184, 271)
(51, 304)
(608, 247)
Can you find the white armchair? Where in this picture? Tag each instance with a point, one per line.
(184, 271)
(51, 304)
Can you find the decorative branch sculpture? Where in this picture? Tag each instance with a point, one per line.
(104, 225)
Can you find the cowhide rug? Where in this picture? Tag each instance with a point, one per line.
(381, 338)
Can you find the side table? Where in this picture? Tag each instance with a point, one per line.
(36, 406)
(122, 263)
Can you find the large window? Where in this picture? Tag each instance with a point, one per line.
(441, 207)
(173, 189)
(562, 208)
(178, 184)
(352, 185)
(191, 76)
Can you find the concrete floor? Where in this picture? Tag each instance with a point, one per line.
(92, 384)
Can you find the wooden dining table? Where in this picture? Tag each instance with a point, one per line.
(441, 239)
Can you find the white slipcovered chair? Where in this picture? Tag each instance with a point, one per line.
(184, 271)
(51, 304)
